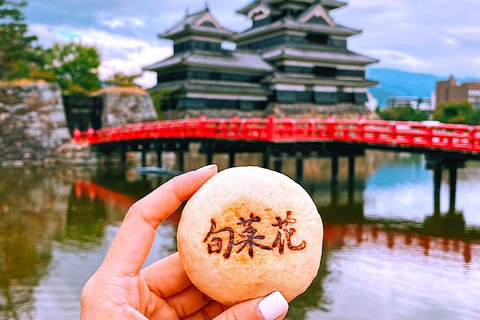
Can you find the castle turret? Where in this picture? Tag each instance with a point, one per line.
(308, 51)
(294, 53)
(201, 74)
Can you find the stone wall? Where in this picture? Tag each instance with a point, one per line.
(307, 111)
(298, 110)
(211, 113)
(32, 122)
(126, 105)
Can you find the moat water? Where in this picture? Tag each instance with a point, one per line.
(386, 256)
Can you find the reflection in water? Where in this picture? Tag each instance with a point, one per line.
(85, 217)
(56, 226)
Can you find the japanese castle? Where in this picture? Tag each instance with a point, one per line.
(294, 54)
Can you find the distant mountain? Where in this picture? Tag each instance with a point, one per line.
(401, 83)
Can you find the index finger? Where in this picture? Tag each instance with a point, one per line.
(134, 240)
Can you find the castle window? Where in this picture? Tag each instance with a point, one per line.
(315, 38)
(325, 72)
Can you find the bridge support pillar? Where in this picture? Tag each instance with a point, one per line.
(438, 163)
(231, 159)
(334, 170)
(159, 150)
(208, 149)
(437, 188)
(334, 180)
(123, 157)
(266, 157)
(144, 158)
(351, 179)
(278, 164)
(181, 160)
(299, 167)
(453, 187)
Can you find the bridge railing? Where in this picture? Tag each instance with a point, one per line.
(419, 134)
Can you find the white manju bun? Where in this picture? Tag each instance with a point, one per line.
(249, 232)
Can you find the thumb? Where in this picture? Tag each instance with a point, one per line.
(273, 307)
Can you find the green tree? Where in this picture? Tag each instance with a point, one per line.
(160, 100)
(455, 112)
(18, 53)
(476, 117)
(405, 113)
(122, 80)
(75, 66)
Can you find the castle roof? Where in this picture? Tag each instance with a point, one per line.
(209, 86)
(307, 79)
(200, 23)
(226, 60)
(292, 24)
(328, 4)
(311, 53)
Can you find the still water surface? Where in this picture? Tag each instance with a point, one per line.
(385, 255)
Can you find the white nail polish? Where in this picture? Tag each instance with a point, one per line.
(273, 306)
(207, 167)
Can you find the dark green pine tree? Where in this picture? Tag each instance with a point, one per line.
(17, 49)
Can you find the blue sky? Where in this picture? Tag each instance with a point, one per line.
(441, 37)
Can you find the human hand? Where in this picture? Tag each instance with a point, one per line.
(121, 290)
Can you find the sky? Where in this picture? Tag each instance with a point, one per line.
(440, 37)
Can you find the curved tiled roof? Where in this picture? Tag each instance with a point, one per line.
(308, 53)
(290, 24)
(233, 60)
(205, 86)
(192, 24)
(315, 80)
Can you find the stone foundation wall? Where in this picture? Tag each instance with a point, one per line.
(304, 111)
(32, 122)
(299, 111)
(211, 113)
(126, 105)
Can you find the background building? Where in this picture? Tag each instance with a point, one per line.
(419, 103)
(450, 91)
(294, 54)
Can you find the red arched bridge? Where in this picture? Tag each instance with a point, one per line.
(427, 135)
(444, 145)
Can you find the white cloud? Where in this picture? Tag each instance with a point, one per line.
(119, 53)
(431, 36)
(122, 22)
(398, 59)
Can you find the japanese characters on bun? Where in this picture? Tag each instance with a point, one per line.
(249, 232)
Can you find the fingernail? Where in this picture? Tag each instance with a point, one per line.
(209, 167)
(273, 306)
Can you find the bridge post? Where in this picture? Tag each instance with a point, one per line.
(231, 159)
(437, 187)
(453, 187)
(299, 167)
(181, 160)
(266, 157)
(209, 154)
(351, 179)
(144, 158)
(123, 157)
(159, 150)
(334, 182)
(334, 170)
(278, 164)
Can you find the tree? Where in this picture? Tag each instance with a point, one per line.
(75, 66)
(406, 113)
(123, 80)
(161, 100)
(455, 112)
(17, 50)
